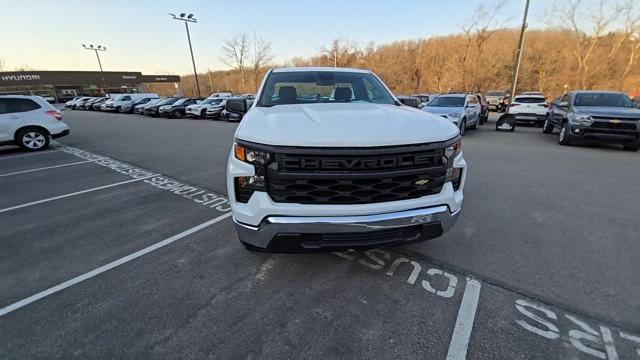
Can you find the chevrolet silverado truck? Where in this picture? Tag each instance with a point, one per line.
(329, 159)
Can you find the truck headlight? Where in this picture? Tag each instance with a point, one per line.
(582, 119)
(452, 174)
(246, 185)
(455, 114)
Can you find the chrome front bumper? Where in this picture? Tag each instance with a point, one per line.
(278, 226)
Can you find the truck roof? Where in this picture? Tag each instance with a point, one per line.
(319, 68)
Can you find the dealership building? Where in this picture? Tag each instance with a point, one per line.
(64, 85)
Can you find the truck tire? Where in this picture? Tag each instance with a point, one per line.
(475, 125)
(564, 137)
(463, 126)
(547, 128)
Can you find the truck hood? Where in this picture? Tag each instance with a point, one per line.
(609, 111)
(343, 125)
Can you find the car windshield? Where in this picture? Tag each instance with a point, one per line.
(603, 99)
(120, 97)
(529, 100)
(447, 101)
(494, 93)
(313, 87)
(181, 101)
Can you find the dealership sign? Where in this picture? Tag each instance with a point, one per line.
(20, 77)
(81, 78)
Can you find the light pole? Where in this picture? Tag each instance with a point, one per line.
(96, 49)
(187, 19)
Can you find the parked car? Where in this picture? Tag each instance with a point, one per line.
(530, 109)
(178, 108)
(200, 110)
(461, 109)
(71, 104)
(128, 108)
(139, 109)
(80, 103)
(603, 115)
(535, 93)
(309, 173)
(424, 98)
(496, 99)
(95, 106)
(484, 108)
(410, 101)
(86, 105)
(29, 122)
(121, 100)
(231, 115)
(153, 109)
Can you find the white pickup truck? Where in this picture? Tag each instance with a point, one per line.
(329, 159)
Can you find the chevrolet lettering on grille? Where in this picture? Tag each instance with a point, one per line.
(368, 163)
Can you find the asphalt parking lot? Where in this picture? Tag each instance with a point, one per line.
(118, 243)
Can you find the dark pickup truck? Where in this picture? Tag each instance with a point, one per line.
(602, 115)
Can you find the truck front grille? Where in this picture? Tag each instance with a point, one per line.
(357, 176)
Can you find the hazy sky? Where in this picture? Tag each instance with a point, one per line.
(140, 35)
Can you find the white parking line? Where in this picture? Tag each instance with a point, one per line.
(464, 323)
(109, 266)
(30, 154)
(72, 194)
(45, 168)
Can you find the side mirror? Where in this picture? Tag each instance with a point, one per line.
(238, 106)
(413, 102)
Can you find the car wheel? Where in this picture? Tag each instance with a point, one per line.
(547, 128)
(203, 114)
(118, 109)
(176, 114)
(463, 126)
(564, 138)
(33, 139)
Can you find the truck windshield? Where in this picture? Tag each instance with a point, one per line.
(314, 87)
(447, 101)
(494, 93)
(603, 99)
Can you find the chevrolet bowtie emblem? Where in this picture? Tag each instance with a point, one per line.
(421, 182)
(616, 121)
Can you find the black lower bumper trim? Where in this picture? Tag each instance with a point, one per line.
(296, 243)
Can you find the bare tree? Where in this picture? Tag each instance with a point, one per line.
(235, 53)
(573, 17)
(262, 56)
(341, 53)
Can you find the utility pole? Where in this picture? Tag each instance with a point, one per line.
(210, 82)
(96, 49)
(189, 19)
(516, 69)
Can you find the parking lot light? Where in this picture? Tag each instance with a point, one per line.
(96, 49)
(187, 19)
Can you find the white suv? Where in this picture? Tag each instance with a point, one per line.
(328, 158)
(530, 109)
(29, 121)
